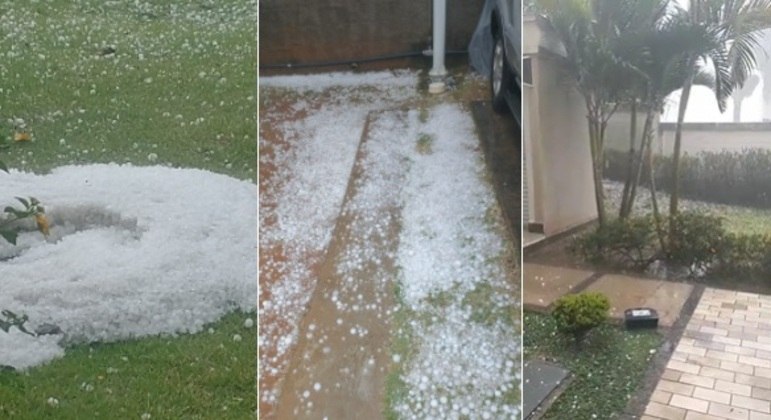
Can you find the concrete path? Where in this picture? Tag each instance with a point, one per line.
(545, 284)
(721, 368)
(339, 367)
(625, 292)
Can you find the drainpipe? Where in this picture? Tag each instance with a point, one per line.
(438, 71)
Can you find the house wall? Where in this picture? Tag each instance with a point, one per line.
(302, 31)
(561, 162)
(714, 137)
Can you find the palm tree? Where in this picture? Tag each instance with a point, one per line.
(589, 31)
(636, 46)
(735, 26)
(658, 50)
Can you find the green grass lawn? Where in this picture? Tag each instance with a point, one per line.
(201, 376)
(606, 370)
(744, 220)
(736, 219)
(143, 83)
(180, 88)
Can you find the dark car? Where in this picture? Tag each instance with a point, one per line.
(496, 51)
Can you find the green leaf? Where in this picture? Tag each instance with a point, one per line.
(9, 236)
(23, 201)
(19, 214)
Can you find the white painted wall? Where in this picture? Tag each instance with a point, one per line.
(715, 137)
(560, 161)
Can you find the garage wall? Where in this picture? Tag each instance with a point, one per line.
(302, 31)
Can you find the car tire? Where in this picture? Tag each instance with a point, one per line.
(500, 75)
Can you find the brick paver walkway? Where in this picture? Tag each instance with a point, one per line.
(721, 368)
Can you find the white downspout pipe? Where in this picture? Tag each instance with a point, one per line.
(438, 71)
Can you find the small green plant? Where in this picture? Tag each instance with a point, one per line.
(577, 314)
(10, 319)
(31, 208)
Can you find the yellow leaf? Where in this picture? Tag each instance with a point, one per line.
(21, 136)
(42, 223)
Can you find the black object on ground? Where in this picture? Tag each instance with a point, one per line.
(636, 318)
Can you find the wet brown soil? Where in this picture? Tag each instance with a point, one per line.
(272, 257)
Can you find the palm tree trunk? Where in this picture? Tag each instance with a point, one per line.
(673, 200)
(625, 208)
(596, 151)
(654, 201)
(640, 161)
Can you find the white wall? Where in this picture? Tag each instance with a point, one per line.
(715, 137)
(617, 131)
(563, 189)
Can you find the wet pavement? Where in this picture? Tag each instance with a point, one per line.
(543, 284)
(339, 366)
(721, 367)
(626, 292)
(309, 135)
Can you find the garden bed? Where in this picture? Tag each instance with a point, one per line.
(742, 246)
(606, 369)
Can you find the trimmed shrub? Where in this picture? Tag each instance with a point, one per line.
(748, 256)
(628, 243)
(577, 314)
(741, 178)
(696, 241)
(701, 245)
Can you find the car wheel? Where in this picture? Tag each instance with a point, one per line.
(500, 76)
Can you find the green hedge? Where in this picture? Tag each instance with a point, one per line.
(742, 178)
(700, 245)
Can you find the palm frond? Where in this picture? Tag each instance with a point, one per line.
(724, 83)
